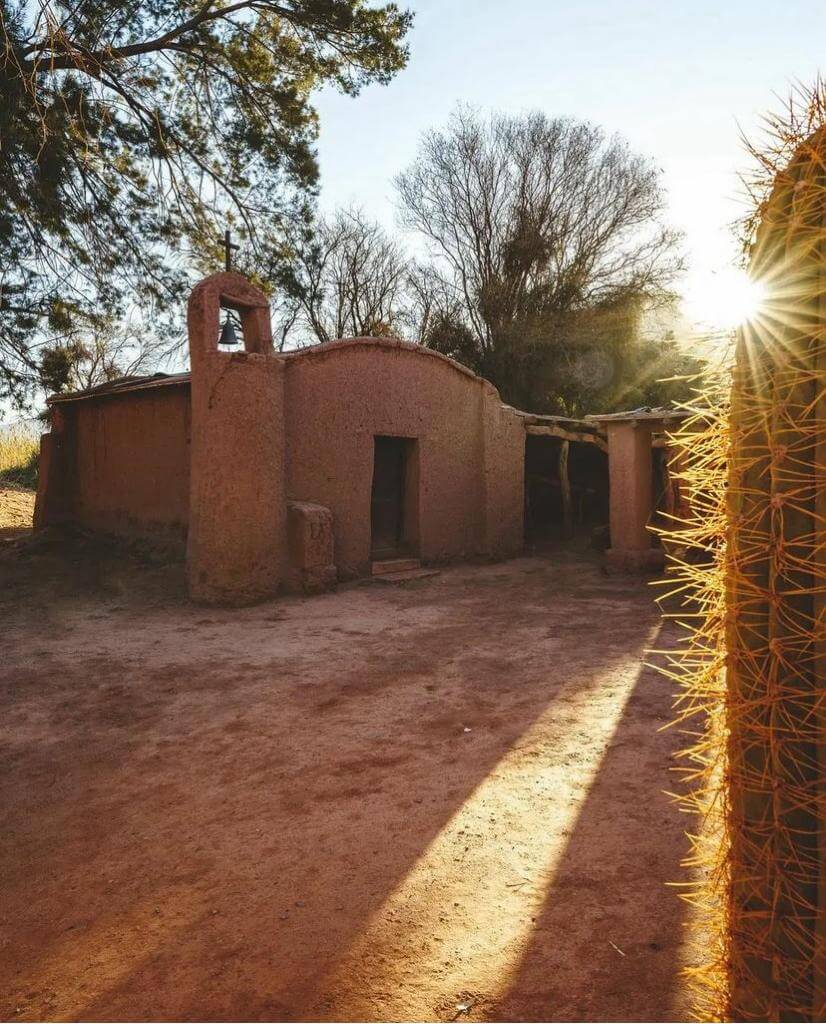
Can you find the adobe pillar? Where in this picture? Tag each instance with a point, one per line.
(237, 543)
(54, 504)
(631, 496)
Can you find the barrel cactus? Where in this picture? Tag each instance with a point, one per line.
(755, 664)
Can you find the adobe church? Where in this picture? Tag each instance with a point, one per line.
(287, 471)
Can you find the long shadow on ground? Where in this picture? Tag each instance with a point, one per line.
(609, 905)
(202, 812)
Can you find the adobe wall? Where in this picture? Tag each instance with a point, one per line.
(631, 498)
(503, 438)
(122, 463)
(339, 396)
(123, 466)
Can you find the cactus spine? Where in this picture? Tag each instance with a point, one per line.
(755, 666)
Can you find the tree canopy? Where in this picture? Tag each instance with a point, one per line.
(547, 253)
(548, 241)
(131, 129)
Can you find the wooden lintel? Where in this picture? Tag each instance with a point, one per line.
(553, 430)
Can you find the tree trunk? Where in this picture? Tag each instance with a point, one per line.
(565, 490)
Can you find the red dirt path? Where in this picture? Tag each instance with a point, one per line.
(439, 801)
(16, 510)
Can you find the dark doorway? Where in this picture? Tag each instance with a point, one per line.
(586, 467)
(390, 498)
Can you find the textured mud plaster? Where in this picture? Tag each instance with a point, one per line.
(310, 542)
(237, 525)
(52, 505)
(631, 499)
(119, 465)
(342, 395)
(217, 456)
(503, 437)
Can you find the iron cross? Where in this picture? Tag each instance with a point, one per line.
(229, 245)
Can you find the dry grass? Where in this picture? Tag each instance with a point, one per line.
(18, 455)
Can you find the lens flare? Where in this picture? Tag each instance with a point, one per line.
(729, 298)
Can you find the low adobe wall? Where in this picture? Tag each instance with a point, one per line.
(470, 456)
(119, 464)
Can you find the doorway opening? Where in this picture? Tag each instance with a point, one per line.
(394, 498)
(566, 491)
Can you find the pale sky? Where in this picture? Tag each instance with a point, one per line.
(677, 79)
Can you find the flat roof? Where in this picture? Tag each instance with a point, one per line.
(121, 386)
(643, 413)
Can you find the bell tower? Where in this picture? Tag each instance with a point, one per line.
(237, 544)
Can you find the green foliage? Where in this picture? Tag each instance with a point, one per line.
(661, 374)
(131, 130)
(594, 360)
(447, 334)
(115, 351)
(58, 365)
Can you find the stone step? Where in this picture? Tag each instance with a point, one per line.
(406, 576)
(391, 565)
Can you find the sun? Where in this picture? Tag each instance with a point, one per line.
(728, 298)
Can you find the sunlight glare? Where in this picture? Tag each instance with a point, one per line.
(729, 298)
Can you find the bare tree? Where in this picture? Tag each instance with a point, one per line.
(348, 279)
(118, 349)
(538, 228)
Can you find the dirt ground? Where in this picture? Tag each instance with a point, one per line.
(434, 801)
(16, 510)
